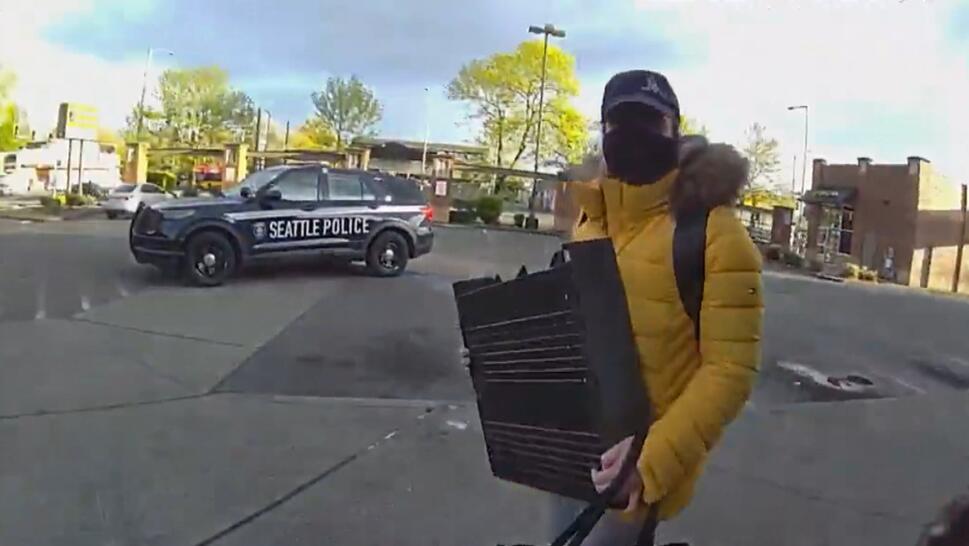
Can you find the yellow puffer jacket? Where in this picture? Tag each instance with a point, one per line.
(695, 391)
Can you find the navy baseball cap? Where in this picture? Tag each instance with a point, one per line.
(643, 87)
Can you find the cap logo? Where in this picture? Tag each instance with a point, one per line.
(653, 87)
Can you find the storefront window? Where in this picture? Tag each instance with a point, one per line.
(836, 230)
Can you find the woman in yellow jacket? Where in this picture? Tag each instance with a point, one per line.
(696, 385)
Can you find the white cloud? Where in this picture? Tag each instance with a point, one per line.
(48, 74)
(849, 61)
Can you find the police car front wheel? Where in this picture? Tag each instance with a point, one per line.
(210, 259)
(388, 254)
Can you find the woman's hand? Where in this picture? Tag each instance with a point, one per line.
(632, 489)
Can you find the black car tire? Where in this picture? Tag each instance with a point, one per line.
(387, 255)
(220, 265)
(111, 214)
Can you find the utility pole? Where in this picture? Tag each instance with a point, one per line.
(794, 175)
(269, 127)
(70, 152)
(286, 138)
(144, 87)
(962, 243)
(258, 132)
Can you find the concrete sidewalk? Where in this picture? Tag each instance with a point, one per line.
(770, 483)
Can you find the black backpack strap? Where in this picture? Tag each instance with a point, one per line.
(689, 262)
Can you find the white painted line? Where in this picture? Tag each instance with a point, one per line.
(460, 425)
(41, 302)
(122, 290)
(908, 385)
(85, 302)
(804, 371)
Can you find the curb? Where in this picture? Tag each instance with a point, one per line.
(68, 215)
(484, 227)
(29, 217)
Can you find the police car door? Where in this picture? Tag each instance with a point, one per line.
(289, 220)
(349, 208)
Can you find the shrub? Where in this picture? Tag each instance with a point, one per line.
(773, 253)
(851, 271)
(792, 259)
(461, 217)
(77, 200)
(164, 179)
(50, 202)
(867, 275)
(489, 209)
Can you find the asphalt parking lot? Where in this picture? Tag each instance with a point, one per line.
(310, 404)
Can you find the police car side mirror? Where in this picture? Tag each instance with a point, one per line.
(245, 192)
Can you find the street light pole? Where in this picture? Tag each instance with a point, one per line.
(547, 30)
(799, 210)
(804, 156)
(427, 129)
(144, 87)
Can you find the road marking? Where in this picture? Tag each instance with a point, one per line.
(122, 290)
(806, 372)
(908, 385)
(85, 302)
(41, 302)
(460, 425)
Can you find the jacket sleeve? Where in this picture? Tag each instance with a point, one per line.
(591, 223)
(730, 331)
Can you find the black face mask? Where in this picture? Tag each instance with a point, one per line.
(637, 155)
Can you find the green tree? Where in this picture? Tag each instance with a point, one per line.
(107, 136)
(690, 126)
(503, 93)
(347, 107)
(10, 115)
(764, 156)
(197, 107)
(314, 134)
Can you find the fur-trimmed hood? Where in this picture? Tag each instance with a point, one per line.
(709, 175)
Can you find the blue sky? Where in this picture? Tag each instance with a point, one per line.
(883, 79)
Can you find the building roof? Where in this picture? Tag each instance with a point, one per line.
(418, 145)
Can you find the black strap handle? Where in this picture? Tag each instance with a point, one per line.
(583, 524)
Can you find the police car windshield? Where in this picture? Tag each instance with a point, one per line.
(255, 181)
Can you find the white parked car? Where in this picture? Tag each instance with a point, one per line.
(125, 198)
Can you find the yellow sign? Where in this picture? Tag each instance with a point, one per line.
(77, 121)
(766, 200)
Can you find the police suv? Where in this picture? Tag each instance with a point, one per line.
(358, 215)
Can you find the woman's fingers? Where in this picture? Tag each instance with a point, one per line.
(635, 492)
(615, 454)
(602, 478)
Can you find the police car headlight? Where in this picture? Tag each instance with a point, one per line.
(177, 214)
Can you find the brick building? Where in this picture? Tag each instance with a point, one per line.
(903, 220)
